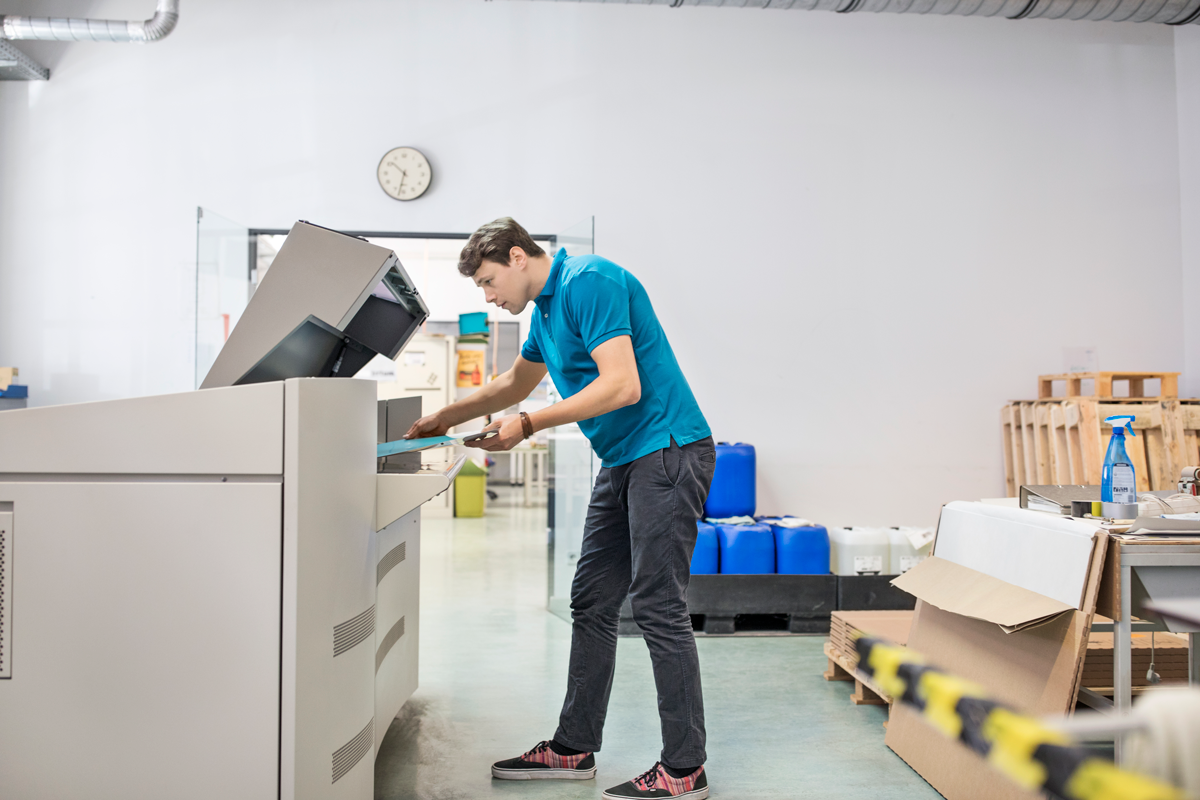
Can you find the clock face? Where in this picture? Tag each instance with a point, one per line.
(404, 173)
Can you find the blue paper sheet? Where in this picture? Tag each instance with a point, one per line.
(413, 445)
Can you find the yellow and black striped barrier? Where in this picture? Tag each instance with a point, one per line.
(1027, 751)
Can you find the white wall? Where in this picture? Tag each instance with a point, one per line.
(1187, 74)
(863, 233)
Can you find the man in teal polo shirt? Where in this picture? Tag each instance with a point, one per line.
(596, 332)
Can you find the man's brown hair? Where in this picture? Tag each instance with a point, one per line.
(493, 242)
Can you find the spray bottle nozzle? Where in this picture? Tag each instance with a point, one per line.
(1121, 421)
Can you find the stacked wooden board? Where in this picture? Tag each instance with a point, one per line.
(1061, 440)
(846, 626)
(1170, 659)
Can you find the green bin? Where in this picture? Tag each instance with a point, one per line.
(470, 490)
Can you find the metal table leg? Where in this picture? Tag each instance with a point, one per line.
(539, 457)
(527, 472)
(1123, 658)
(1193, 661)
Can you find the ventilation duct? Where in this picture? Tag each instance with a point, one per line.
(60, 29)
(1170, 12)
(16, 66)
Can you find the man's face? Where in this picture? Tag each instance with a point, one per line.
(504, 285)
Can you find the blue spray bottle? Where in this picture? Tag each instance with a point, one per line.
(1117, 482)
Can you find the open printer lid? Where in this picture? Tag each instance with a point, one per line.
(321, 284)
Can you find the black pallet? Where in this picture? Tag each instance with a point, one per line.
(724, 604)
(872, 593)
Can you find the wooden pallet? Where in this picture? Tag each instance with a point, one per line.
(866, 692)
(1063, 441)
(1190, 410)
(1102, 384)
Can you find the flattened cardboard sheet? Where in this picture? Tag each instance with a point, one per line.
(892, 625)
(1032, 670)
(956, 771)
(961, 590)
(1041, 552)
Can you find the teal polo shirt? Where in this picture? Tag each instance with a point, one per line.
(587, 301)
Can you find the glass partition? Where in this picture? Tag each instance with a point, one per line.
(579, 239)
(572, 471)
(222, 284)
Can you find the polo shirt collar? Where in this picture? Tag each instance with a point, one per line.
(555, 271)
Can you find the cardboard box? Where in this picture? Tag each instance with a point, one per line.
(8, 375)
(1026, 649)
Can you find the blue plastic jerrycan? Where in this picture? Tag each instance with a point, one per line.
(801, 550)
(733, 487)
(705, 558)
(746, 549)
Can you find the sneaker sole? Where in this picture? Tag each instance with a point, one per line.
(544, 774)
(695, 794)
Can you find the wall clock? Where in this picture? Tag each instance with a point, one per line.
(404, 173)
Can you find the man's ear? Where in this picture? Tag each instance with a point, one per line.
(516, 257)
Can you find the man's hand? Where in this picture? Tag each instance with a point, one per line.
(433, 425)
(511, 435)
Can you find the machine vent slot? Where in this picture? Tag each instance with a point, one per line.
(394, 557)
(353, 631)
(385, 646)
(6, 594)
(349, 754)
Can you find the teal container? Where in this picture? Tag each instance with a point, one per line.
(475, 322)
(706, 557)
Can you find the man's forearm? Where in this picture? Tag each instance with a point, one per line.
(599, 397)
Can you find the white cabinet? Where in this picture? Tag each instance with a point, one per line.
(198, 603)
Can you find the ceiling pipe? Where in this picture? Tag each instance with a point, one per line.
(1169, 12)
(60, 29)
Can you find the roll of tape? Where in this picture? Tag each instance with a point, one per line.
(1119, 510)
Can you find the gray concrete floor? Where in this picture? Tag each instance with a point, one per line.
(493, 673)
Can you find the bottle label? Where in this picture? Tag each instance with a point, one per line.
(908, 562)
(868, 565)
(1124, 489)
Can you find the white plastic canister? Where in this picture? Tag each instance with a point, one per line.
(859, 551)
(903, 556)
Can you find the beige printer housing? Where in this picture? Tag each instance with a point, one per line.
(212, 594)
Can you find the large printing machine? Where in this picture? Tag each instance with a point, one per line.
(214, 594)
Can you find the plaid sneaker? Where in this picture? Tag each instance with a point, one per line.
(657, 783)
(543, 763)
